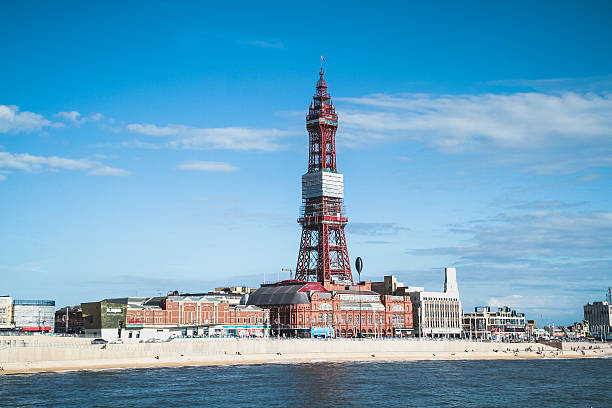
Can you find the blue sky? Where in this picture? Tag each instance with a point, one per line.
(153, 146)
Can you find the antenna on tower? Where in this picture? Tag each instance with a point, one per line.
(609, 296)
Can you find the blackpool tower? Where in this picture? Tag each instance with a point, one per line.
(323, 255)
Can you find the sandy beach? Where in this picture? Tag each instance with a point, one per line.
(65, 354)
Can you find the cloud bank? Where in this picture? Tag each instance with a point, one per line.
(466, 123)
(229, 138)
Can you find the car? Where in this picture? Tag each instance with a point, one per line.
(117, 341)
(99, 341)
(153, 340)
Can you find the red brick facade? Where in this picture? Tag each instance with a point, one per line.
(186, 312)
(340, 307)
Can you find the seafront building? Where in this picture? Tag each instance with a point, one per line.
(599, 316)
(27, 315)
(195, 316)
(69, 320)
(312, 309)
(31, 315)
(435, 314)
(501, 324)
(6, 313)
(175, 315)
(577, 331)
(438, 314)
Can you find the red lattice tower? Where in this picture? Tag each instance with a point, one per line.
(323, 255)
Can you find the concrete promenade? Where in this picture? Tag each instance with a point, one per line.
(41, 353)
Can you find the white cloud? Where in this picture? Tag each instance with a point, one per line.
(462, 122)
(12, 120)
(514, 301)
(76, 118)
(207, 166)
(103, 170)
(72, 116)
(266, 43)
(153, 130)
(105, 156)
(231, 138)
(32, 163)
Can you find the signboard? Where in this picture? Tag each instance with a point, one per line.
(322, 332)
(356, 298)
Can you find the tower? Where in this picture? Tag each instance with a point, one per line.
(323, 255)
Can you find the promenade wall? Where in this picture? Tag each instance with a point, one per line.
(72, 349)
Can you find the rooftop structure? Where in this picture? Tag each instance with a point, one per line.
(236, 290)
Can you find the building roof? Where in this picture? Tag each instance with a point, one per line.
(34, 302)
(284, 293)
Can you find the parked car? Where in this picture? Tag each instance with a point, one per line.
(117, 341)
(153, 340)
(99, 341)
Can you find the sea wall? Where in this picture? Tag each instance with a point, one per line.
(80, 349)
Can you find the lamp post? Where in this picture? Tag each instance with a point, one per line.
(359, 267)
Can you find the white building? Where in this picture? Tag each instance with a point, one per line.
(34, 315)
(438, 314)
(503, 324)
(6, 313)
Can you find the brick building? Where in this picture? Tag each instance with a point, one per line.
(194, 316)
(73, 316)
(306, 309)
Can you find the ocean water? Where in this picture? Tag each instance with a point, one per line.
(494, 383)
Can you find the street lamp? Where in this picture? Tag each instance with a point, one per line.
(359, 267)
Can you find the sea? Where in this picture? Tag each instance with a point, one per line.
(465, 383)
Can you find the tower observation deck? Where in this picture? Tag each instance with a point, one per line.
(323, 254)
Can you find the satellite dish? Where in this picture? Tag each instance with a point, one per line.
(358, 264)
